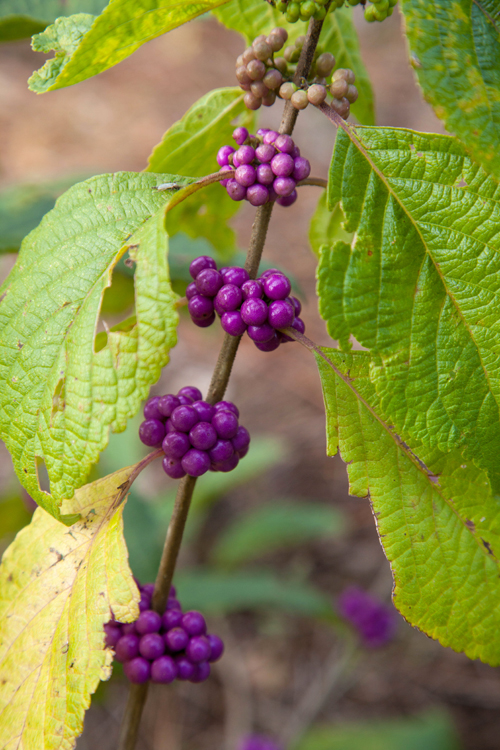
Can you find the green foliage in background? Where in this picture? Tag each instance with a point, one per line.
(20, 19)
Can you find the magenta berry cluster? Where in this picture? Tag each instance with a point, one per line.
(259, 307)
(163, 648)
(374, 621)
(267, 167)
(196, 437)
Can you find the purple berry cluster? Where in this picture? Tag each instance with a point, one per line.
(266, 167)
(259, 307)
(374, 621)
(195, 436)
(162, 648)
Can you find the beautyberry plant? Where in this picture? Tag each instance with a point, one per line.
(413, 407)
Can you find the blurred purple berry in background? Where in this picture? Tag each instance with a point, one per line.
(258, 742)
(375, 621)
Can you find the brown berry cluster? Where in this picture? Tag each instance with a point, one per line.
(342, 88)
(258, 73)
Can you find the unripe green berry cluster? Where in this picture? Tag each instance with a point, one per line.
(342, 89)
(377, 10)
(302, 10)
(258, 73)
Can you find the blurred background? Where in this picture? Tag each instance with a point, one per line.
(272, 546)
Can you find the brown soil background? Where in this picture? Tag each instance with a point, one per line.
(111, 123)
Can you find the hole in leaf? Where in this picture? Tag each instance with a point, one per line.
(118, 302)
(42, 475)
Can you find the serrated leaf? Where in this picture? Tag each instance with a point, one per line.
(326, 226)
(58, 586)
(338, 36)
(437, 519)
(59, 396)
(455, 51)
(420, 286)
(20, 19)
(275, 526)
(190, 147)
(123, 27)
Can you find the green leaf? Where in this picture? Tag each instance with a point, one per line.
(221, 593)
(20, 19)
(455, 50)
(430, 731)
(22, 208)
(190, 147)
(275, 526)
(326, 226)
(58, 395)
(437, 519)
(58, 587)
(123, 27)
(421, 284)
(253, 17)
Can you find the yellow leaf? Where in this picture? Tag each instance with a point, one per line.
(58, 586)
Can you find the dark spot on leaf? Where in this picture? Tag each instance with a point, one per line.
(20, 344)
(25, 471)
(129, 262)
(72, 665)
(10, 578)
(370, 252)
(65, 648)
(488, 547)
(470, 525)
(90, 190)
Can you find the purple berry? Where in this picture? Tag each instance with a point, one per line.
(375, 622)
(281, 314)
(228, 465)
(246, 155)
(270, 137)
(268, 272)
(284, 186)
(227, 406)
(252, 290)
(173, 467)
(113, 634)
(208, 282)
(138, 670)
(240, 135)
(173, 591)
(185, 669)
(226, 423)
(148, 622)
(276, 286)
(233, 323)
(128, 628)
(202, 672)
(301, 169)
(173, 603)
(235, 191)
(268, 346)
(198, 649)
(260, 334)
(299, 325)
(285, 144)
(241, 440)
(195, 463)
(200, 264)
(204, 323)
(234, 275)
(262, 131)
(228, 298)
(167, 404)
(204, 410)
(191, 290)
(171, 619)
(176, 639)
(184, 418)
(176, 444)
(151, 646)
(226, 179)
(194, 623)
(254, 312)
(200, 307)
(296, 305)
(265, 175)
(148, 589)
(191, 391)
(152, 432)
(222, 450)
(216, 647)
(282, 165)
(185, 400)
(287, 200)
(203, 436)
(257, 195)
(127, 647)
(164, 670)
(265, 152)
(245, 175)
(144, 603)
(223, 155)
(243, 452)
(151, 410)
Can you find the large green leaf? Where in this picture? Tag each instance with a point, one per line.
(20, 19)
(326, 226)
(59, 396)
(58, 587)
(190, 147)
(254, 17)
(436, 517)
(420, 286)
(122, 28)
(455, 50)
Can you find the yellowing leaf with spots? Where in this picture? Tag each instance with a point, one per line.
(58, 586)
